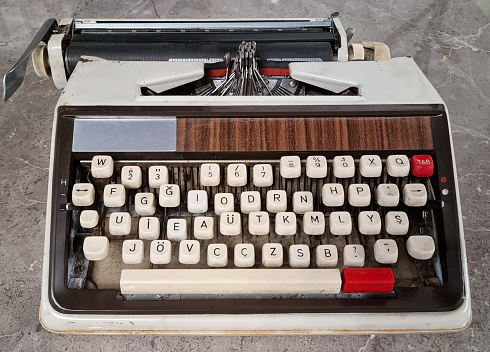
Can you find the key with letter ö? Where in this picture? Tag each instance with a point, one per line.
(160, 252)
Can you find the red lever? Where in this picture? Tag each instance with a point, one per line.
(422, 165)
(362, 280)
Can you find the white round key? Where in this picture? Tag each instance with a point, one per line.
(387, 195)
(189, 252)
(398, 165)
(359, 195)
(96, 247)
(396, 223)
(83, 194)
(354, 256)
(169, 196)
(258, 223)
(385, 251)
(223, 202)
(333, 194)
(157, 176)
(160, 252)
(102, 166)
(176, 230)
(217, 255)
(343, 166)
(370, 166)
(210, 175)
(145, 204)
(114, 195)
(89, 219)
(197, 201)
(250, 201)
(285, 224)
(120, 224)
(421, 247)
(203, 227)
(414, 194)
(340, 223)
(244, 255)
(316, 166)
(299, 256)
(290, 166)
(276, 201)
(326, 256)
(230, 224)
(262, 175)
(369, 223)
(272, 256)
(236, 175)
(302, 202)
(314, 223)
(133, 251)
(131, 177)
(149, 228)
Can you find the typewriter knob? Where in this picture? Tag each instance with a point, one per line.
(356, 52)
(376, 51)
(40, 61)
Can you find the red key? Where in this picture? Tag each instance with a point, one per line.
(422, 165)
(362, 280)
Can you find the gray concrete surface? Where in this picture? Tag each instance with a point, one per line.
(450, 40)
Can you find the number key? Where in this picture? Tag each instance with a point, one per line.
(262, 174)
(157, 176)
(131, 176)
(210, 175)
(237, 175)
(316, 167)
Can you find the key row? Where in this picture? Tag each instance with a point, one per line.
(230, 224)
(272, 254)
(358, 195)
(102, 166)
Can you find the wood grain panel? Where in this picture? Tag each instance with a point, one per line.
(303, 134)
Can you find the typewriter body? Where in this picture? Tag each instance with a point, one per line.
(245, 177)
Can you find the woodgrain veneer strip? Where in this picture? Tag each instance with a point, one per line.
(303, 134)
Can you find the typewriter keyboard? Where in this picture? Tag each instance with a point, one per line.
(309, 225)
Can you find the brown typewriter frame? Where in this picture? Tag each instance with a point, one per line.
(247, 132)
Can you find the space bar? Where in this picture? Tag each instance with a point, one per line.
(229, 281)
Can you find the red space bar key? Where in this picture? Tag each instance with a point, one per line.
(363, 280)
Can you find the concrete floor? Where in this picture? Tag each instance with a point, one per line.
(450, 41)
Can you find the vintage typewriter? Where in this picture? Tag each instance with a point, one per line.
(245, 177)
